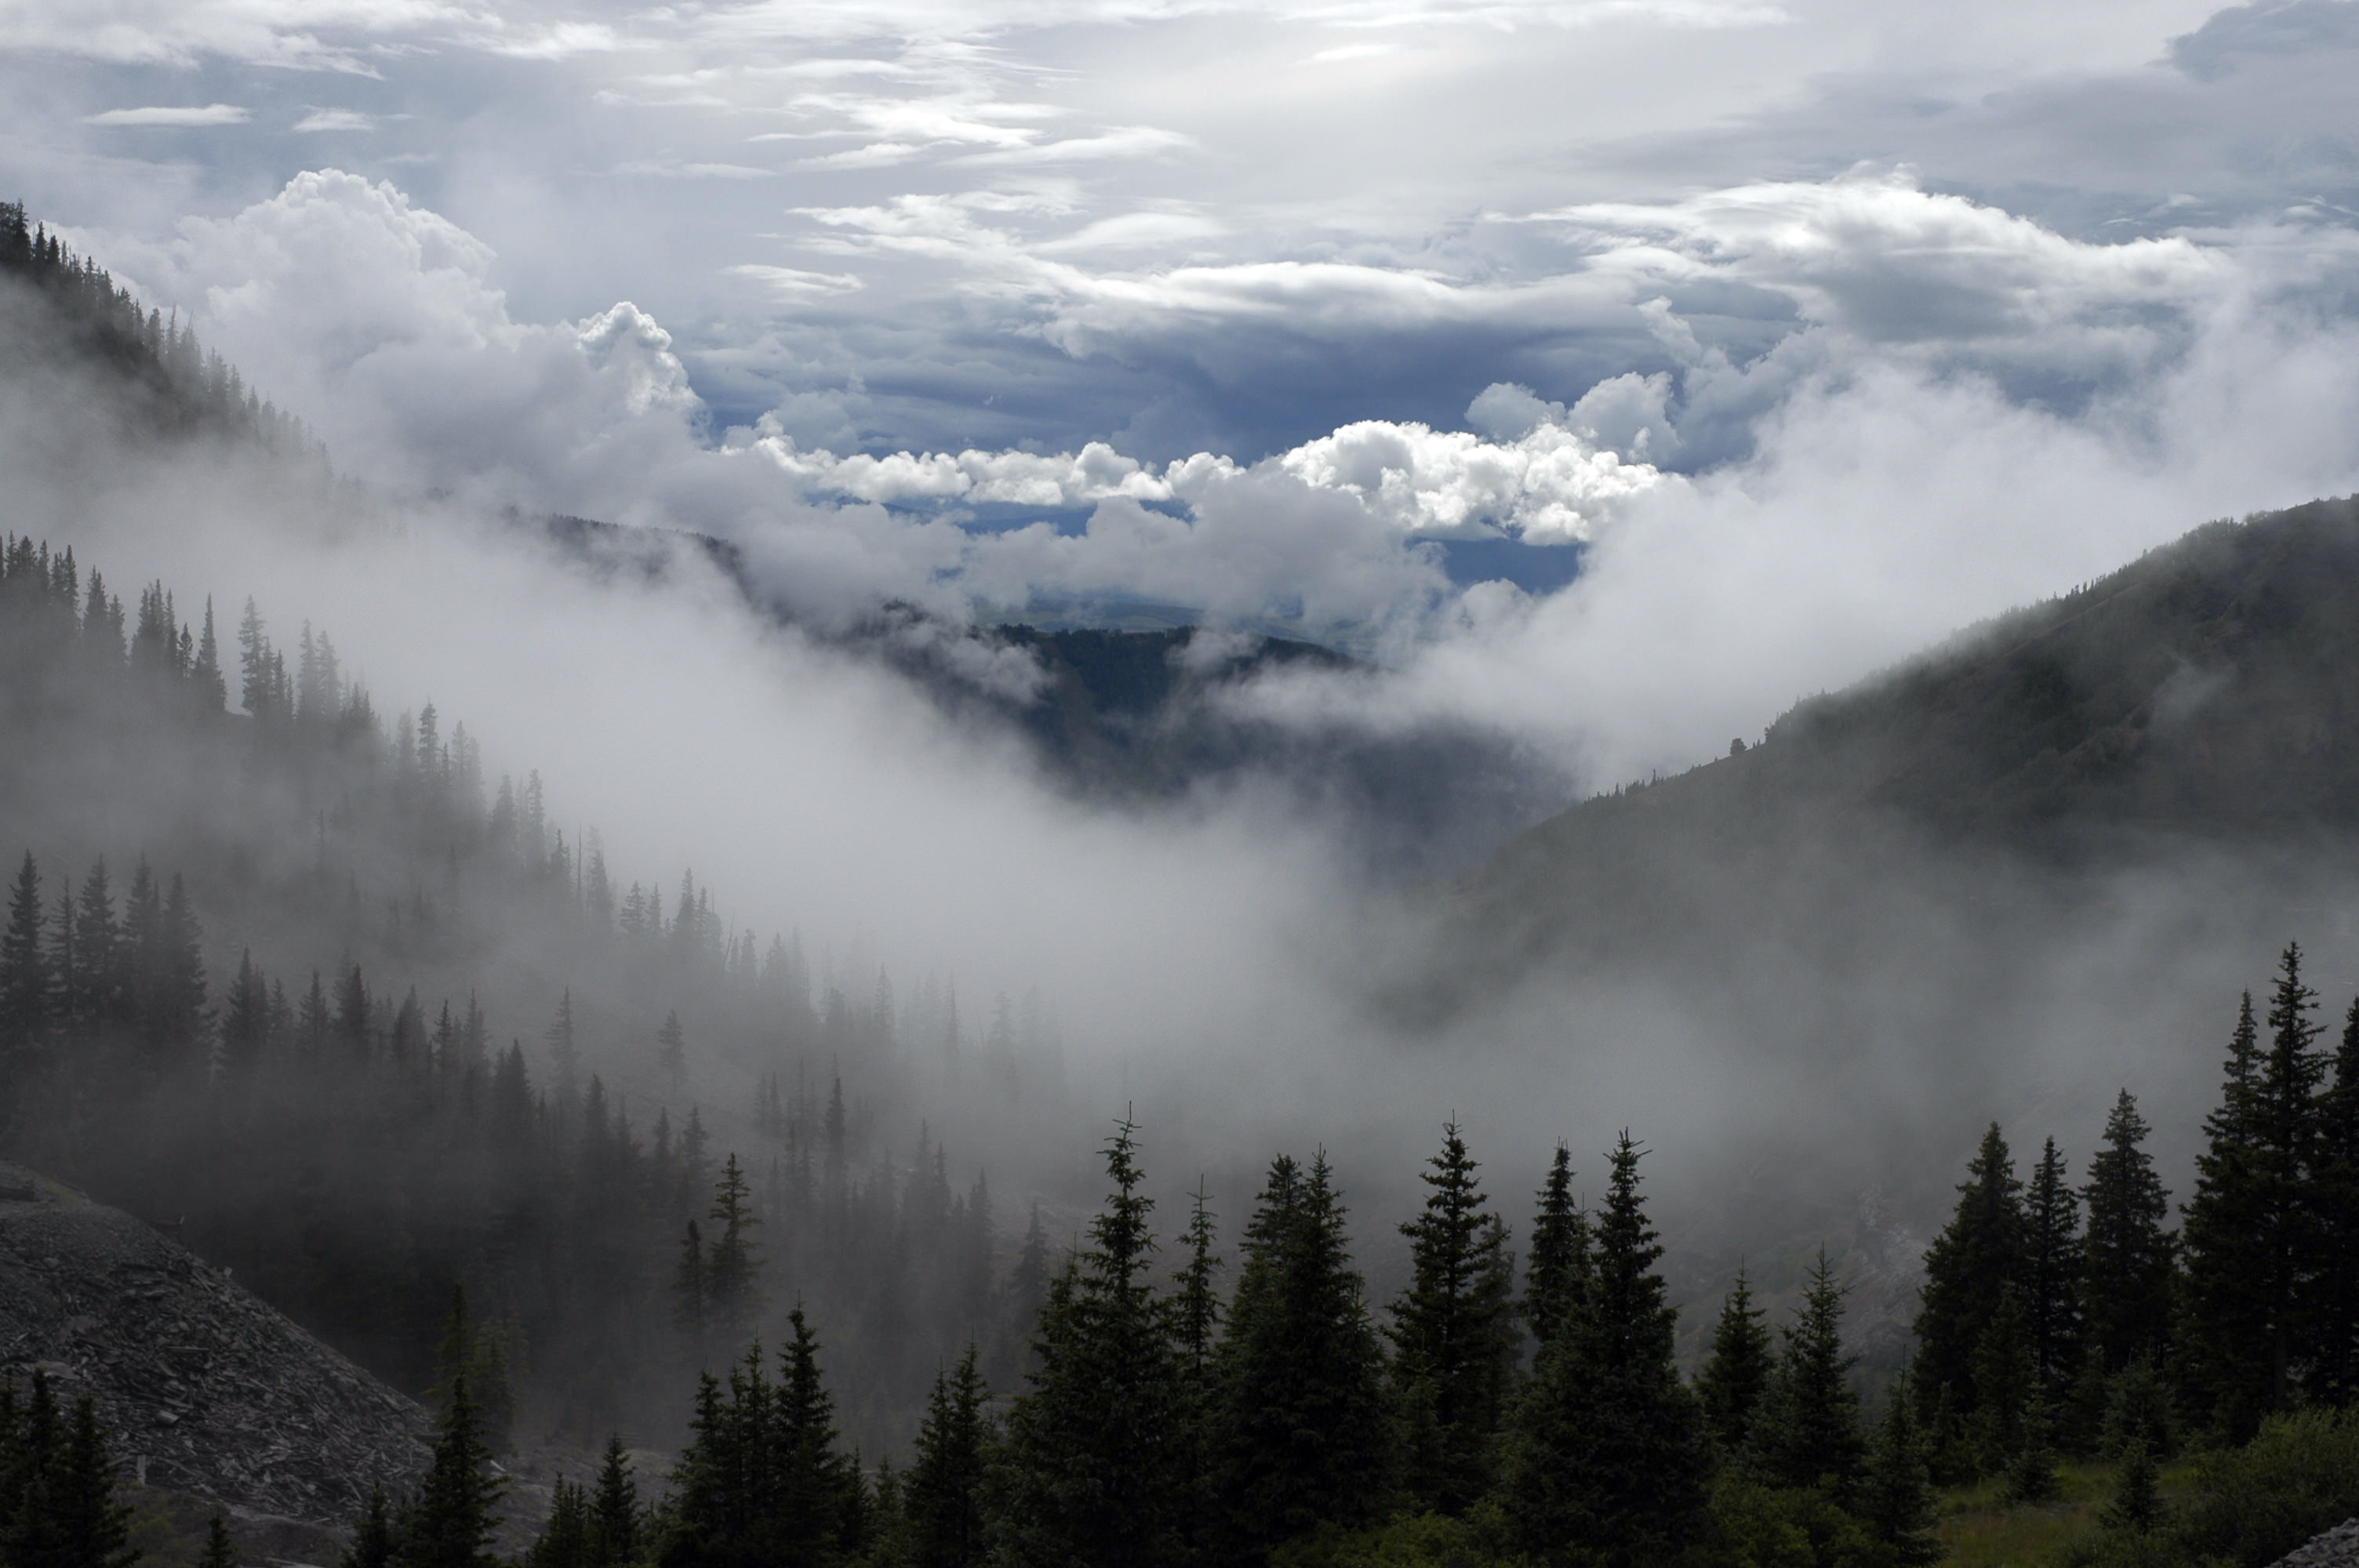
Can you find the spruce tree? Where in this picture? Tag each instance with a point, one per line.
(219, 1551)
(1453, 1334)
(1969, 1265)
(1808, 1434)
(2006, 1382)
(2051, 1270)
(615, 1508)
(1556, 1277)
(732, 1294)
(1896, 1501)
(1300, 1437)
(2249, 1235)
(448, 1523)
(23, 970)
(373, 1538)
(565, 1539)
(2335, 1293)
(1735, 1377)
(1087, 1473)
(2125, 1254)
(1606, 1456)
(2137, 1506)
(942, 1494)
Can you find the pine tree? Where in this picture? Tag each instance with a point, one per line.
(615, 1509)
(1808, 1434)
(1087, 1473)
(2249, 1235)
(1197, 1303)
(2335, 1293)
(449, 1524)
(1606, 1456)
(372, 1544)
(1300, 1437)
(565, 1537)
(219, 1551)
(23, 970)
(1556, 1278)
(2005, 1381)
(733, 1269)
(2126, 1255)
(691, 1290)
(2137, 1506)
(943, 1495)
(672, 1050)
(1735, 1377)
(2051, 1270)
(1967, 1269)
(1897, 1501)
(1453, 1334)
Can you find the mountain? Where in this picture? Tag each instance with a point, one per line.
(2199, 703)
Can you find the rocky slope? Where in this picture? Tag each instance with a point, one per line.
(206, 1390)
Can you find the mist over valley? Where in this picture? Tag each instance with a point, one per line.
(893, 789)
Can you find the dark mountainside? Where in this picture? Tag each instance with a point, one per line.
(2197, 703)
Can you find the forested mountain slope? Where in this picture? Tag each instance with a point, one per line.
(2202, 701)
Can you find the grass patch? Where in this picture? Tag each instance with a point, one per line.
(1983, 1530)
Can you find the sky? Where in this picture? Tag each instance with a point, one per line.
(1616, 371)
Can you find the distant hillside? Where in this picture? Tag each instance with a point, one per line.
(57, 310)
(2202, 699)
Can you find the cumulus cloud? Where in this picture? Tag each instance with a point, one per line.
(1888, 492)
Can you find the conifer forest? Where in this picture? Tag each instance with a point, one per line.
(748, 944)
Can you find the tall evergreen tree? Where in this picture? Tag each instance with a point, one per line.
(1086, 1475)
(374, 1541)
(1453, 1334)
(1606, 1458)
(2335, 1293)
(2051, 1270)
(1735, 1377)
(615, 1508)
(450, 1523)
(2250, 1229)
(1897, 1499)
(1969, 1266)
(24, 969)
(2125, 1255)
(1302, 1437)
(219, 1551)
(1556, 1277)
(1809, 1434)
(733, 1279)
(943, 1495)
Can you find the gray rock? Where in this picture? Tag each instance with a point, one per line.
(204, 1389)
(2338, 1548)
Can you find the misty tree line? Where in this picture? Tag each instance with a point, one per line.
(193, 387)
(2043, 1330)
(354, 1146)
(1163, 1422)
(1494, 1414)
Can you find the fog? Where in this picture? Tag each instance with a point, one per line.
(1221, 965)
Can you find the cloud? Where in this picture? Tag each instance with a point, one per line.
(293, 33)
(794, 282)
(336, 119)
(168, 114)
